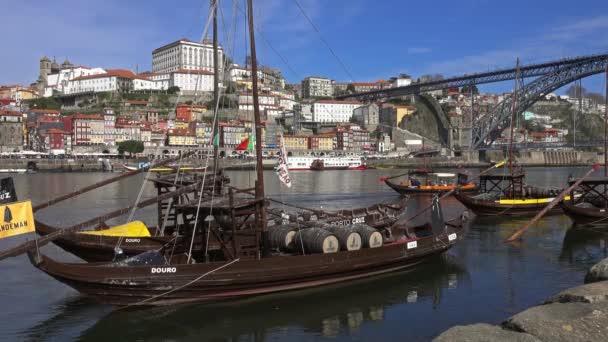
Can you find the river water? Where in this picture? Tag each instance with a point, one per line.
(479, 280)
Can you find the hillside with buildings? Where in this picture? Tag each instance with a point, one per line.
(73, 107)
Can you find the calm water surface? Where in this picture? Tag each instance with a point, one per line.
(479, 280)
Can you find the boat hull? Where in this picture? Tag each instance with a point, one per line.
(408, 190)
(585, 216)
(95, 248)
(491, 208)
(184, 283)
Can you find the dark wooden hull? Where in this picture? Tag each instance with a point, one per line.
(585, 216)
(184, 283)
(491, 208)
(95, 248)
(408, 190)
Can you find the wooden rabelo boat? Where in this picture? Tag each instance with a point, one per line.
(135, 238)
(428, 182)
(507, 195)
(241, 255)
(591, 207)
(590, 204)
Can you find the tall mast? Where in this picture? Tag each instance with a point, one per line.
(513, 118)
(216, 86)
(606, 126)
(259, 185)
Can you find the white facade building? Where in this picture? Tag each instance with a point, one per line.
(185, 54)
(59, 81)
(112, 80)
(333, 110)
(317, 87)
(188, 81)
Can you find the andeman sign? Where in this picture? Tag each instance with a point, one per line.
(16, 218)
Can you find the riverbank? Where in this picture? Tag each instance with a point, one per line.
(467, 160)
(576, 314)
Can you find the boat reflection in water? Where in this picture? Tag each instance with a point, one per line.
(584, 245)
(330, 312)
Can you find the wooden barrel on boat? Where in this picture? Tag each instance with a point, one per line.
(349, 240)
(281, 237)
(316, 240)
(370, 237)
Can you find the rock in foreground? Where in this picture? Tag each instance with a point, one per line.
(483, 333)
(588, 293)
(599, 272)
(566, 322)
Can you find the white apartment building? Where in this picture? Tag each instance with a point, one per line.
(188, 81)
(333, 110)
(185, 54)
(317, 86)
(265, 102)
(192, 80)
(59, 81)
(111, 80)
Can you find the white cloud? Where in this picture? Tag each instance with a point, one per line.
(583, 36)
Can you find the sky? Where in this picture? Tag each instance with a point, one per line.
(371, 40)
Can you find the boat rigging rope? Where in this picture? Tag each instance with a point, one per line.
(323, 40)
(201, 192)
(185, 285)
(157, 150)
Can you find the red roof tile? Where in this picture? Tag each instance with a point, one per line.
(87, 117)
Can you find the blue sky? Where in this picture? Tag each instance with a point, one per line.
(374, 39)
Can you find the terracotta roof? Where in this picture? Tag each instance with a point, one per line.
(55, 131)
(136, 102)
(87, 117)
(113, 73)
(10, 113)
(45, 111)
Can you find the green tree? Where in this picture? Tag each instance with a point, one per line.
(350, 88)
(44, 103)
(466, 90)
(173, 90)
(130, 146)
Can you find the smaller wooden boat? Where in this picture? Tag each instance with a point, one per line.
(507, 195)
(590, 204)
(168, 168)
(428, 182)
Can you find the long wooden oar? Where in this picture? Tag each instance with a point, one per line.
(24, 247)
(449, 193)
(553, 203)
(384, 179)
(106, 182)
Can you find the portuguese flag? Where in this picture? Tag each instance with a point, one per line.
(247, 144)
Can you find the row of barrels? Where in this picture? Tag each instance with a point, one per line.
(324, 238)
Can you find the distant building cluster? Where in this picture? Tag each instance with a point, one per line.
(306, 113)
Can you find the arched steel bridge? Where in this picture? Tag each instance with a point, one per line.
(549, 77)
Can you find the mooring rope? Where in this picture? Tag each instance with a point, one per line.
(185, 285)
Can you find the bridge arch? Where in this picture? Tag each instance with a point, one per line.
(488, 128)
